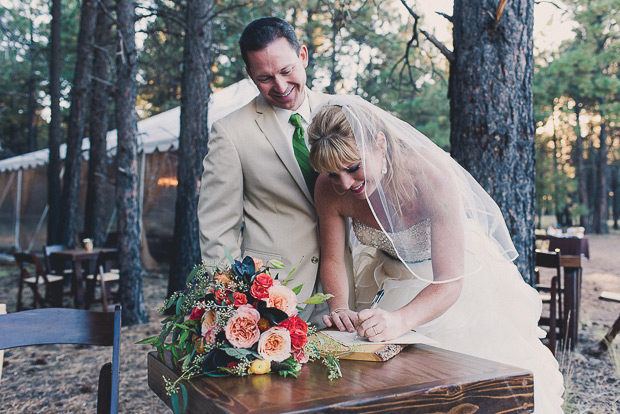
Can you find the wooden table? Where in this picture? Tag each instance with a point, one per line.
(571, 246)
(78, 259)
(421, 379)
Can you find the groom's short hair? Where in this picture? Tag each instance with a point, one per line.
(262, 32)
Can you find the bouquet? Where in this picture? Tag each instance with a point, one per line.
(238, 320)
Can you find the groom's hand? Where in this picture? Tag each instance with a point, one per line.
(344, 320)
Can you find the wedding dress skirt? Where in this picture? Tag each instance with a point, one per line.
(496, 316)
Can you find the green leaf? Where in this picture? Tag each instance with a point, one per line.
(239, 352)
(276, 264)
(180, 302)
(228, 255)
(174, 400)
(148, 340)
(318, 298)
(289, 277)
(297, 289)
(184, 391)
(191, 275)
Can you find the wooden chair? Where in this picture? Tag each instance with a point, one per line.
(70, 326)
(104, 277)
(551, 295)
(50, 266)
(53, 284)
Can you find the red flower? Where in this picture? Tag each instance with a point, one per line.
(196, 314)
(240, 299)
(262, 282)
(221, 296)
(259, 292)
(294, 323)
(232, 365)
(298, 339)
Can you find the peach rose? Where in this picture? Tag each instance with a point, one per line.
(282, 298)
(208, 320)
(241, 329)
(275, 344)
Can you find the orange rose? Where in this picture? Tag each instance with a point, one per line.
(258, 263)
(275, 344)
(208, 320)
(241, 329)
(282, 298)
(223, 278)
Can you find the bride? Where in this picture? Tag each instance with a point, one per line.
(429, 236)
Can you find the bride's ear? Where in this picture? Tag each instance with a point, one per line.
(381, 142)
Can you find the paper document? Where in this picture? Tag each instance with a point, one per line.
(351, 338)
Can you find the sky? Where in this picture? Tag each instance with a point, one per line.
(550, 27)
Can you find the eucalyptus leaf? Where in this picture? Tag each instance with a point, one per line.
(191, 275)
(240, 352)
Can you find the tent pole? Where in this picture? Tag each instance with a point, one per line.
(18, 208)
(38, 229)
(6, 189)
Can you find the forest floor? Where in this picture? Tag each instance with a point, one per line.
(63, 378)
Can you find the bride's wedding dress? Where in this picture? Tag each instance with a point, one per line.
(495, 317)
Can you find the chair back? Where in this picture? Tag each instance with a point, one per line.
(106, 260)
(50, 265)
(70, 326)
(23, 258)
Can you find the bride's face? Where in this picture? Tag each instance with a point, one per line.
(359, 177)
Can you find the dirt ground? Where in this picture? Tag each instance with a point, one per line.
(63, 378)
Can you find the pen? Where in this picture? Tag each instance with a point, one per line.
(377, 298)
(373, 305)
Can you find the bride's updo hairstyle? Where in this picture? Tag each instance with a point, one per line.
(333, 147)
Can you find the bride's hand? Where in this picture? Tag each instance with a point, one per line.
(380, 325)
(344, 320)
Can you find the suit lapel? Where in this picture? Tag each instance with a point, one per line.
(282, 145)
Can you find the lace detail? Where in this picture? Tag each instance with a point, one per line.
(413, 243)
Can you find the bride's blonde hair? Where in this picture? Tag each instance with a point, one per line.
(333, 147)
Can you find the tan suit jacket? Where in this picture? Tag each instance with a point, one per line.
(251, 176)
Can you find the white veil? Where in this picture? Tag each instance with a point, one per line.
(419, 173)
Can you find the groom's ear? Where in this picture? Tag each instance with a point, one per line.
(249, 72)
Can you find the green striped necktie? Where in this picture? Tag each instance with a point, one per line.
(301, 152)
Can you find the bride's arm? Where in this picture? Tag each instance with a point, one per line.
(447, 252)
(333, 271)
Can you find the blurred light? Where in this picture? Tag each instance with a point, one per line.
(167, 182)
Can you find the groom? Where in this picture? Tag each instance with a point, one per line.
(257, 185)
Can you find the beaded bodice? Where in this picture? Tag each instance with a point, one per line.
(413, 244)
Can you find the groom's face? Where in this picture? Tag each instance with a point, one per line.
(279, 73)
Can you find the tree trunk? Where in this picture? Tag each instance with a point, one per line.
(127, 204)
(94, 225)
(600, 211)
(491, 110)
(195, 92)
(79, 95)
(53, 168)
(581, 175)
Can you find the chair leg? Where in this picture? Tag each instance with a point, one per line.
(19, 294)
(104, 295)
(104, 392)
(609, 338)
(553, 316)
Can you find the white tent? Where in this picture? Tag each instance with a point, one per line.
(23, 178)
